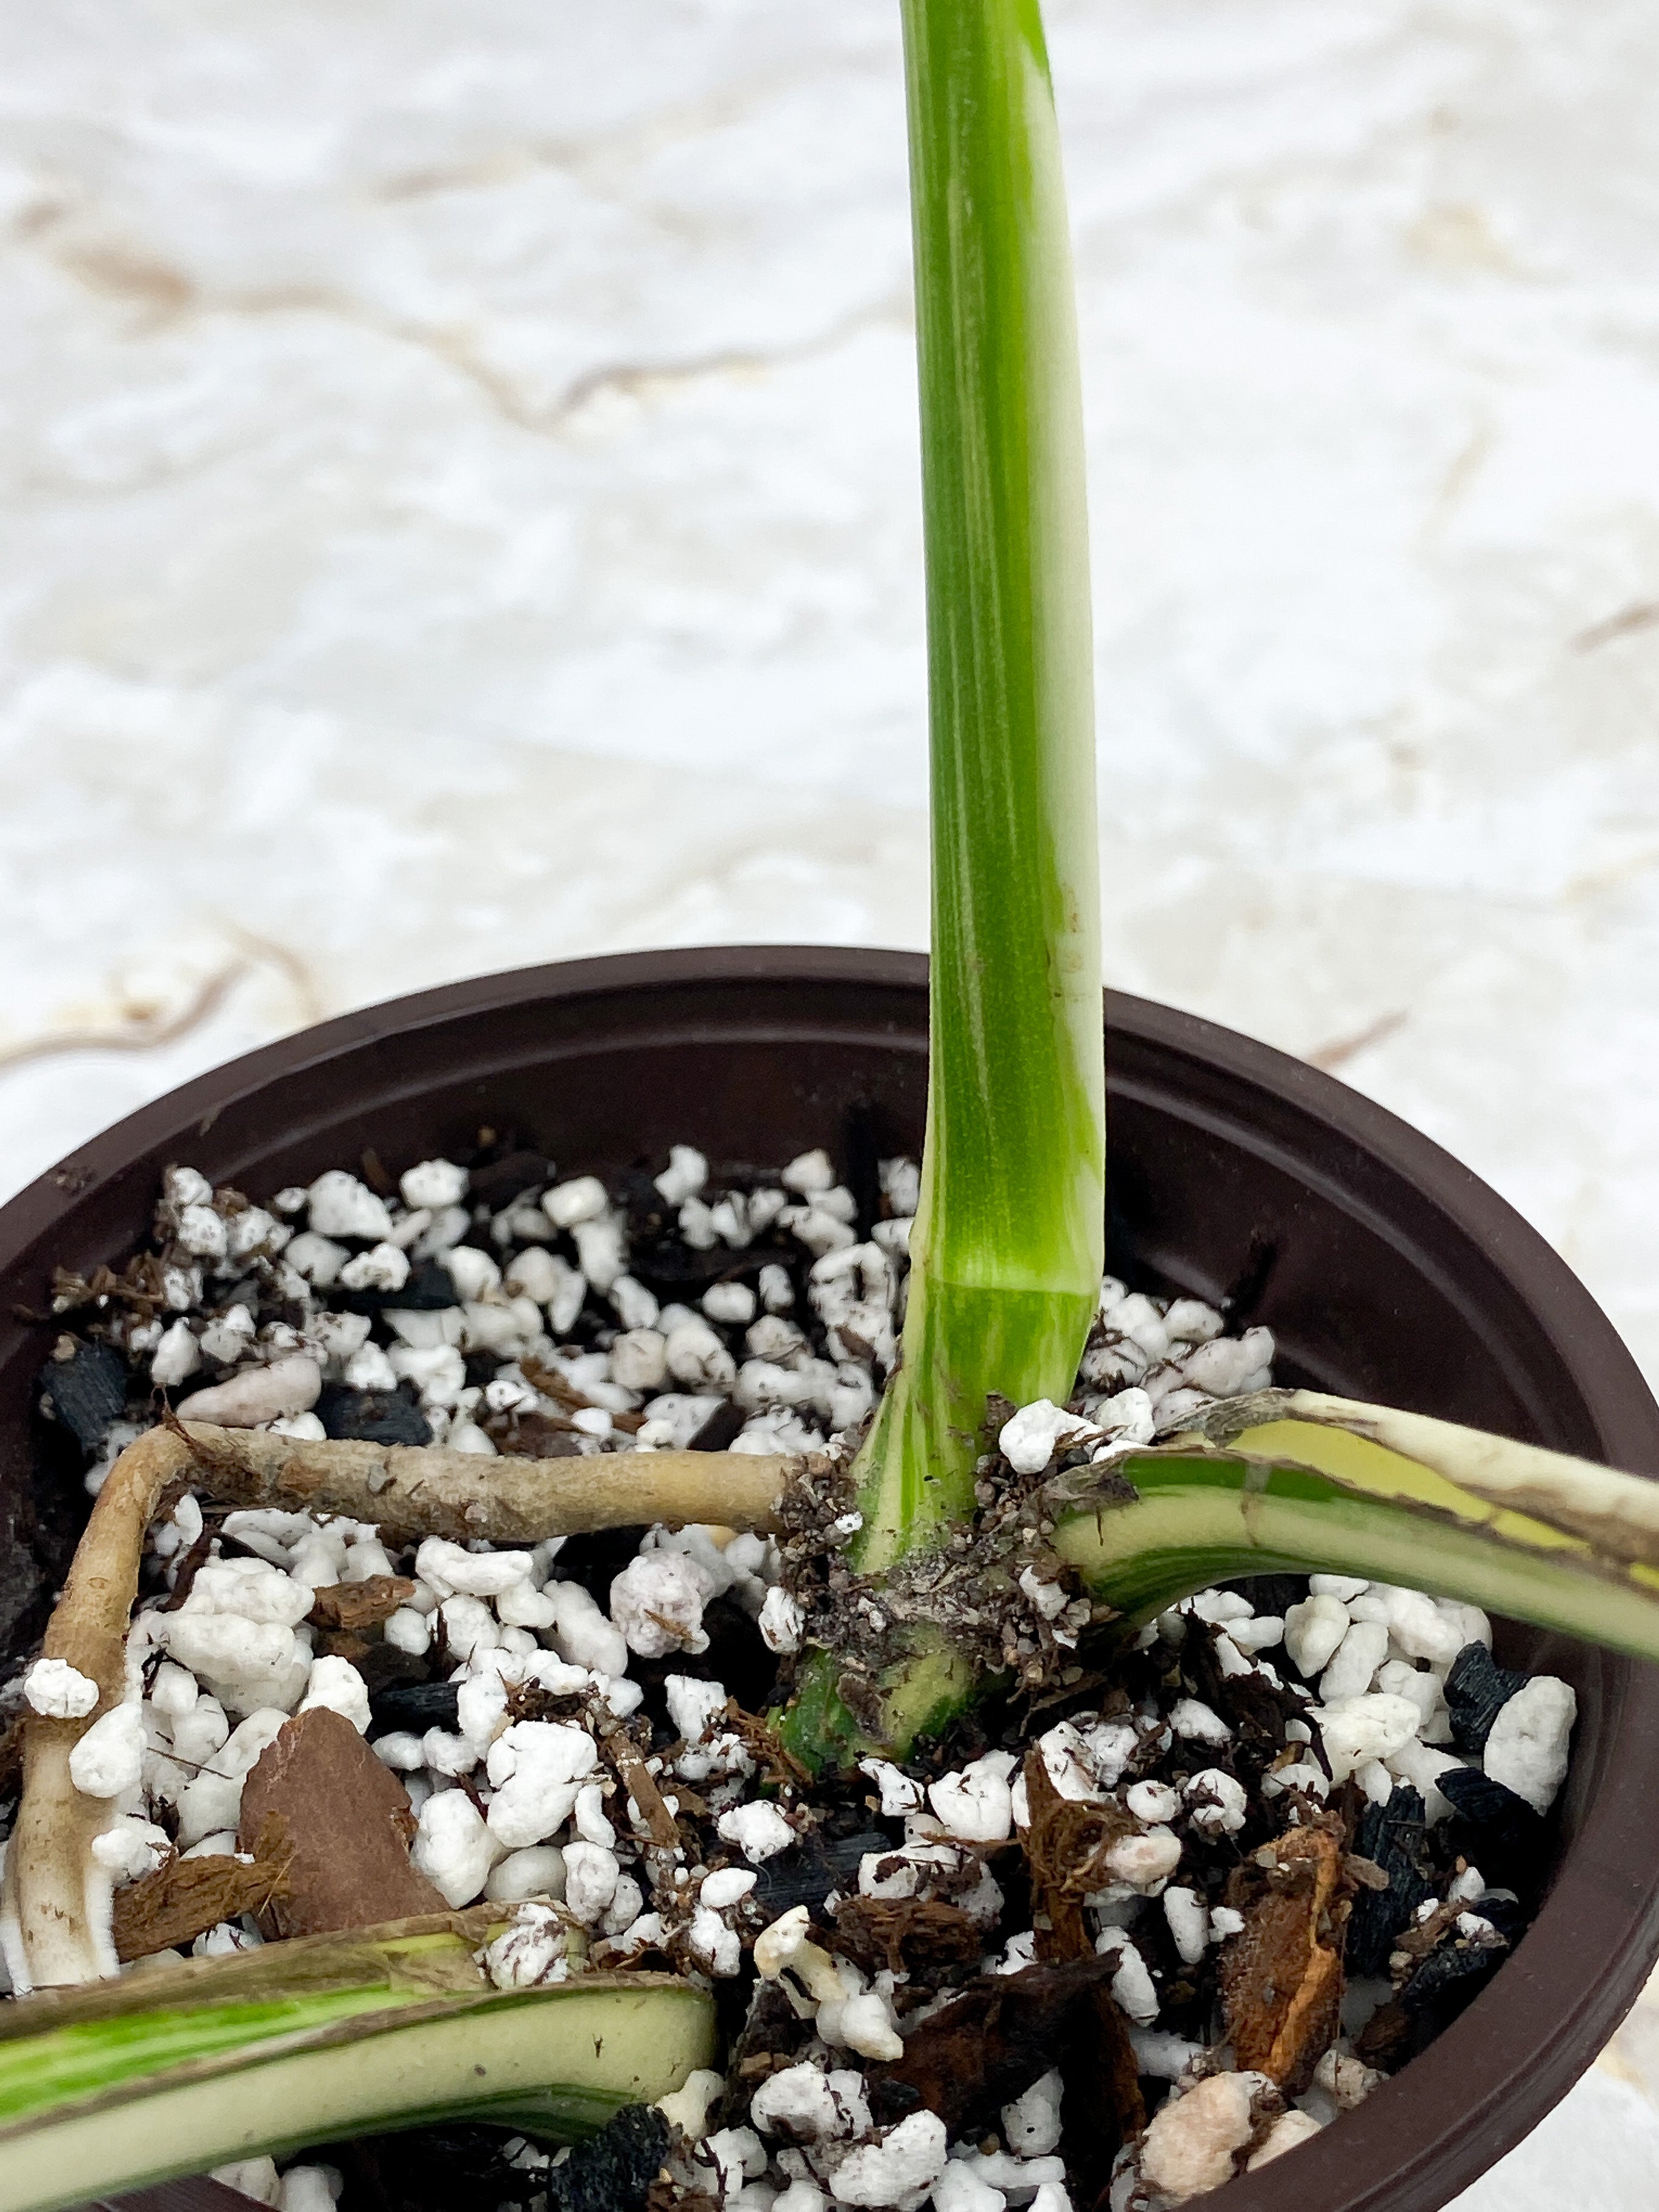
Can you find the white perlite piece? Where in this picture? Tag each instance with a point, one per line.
(108, 1760)
(975, 1804)
(336, 1685)
(434, 1183)
(1031, 2125)
(1527, 1749)
(1032, 1438)
(59, 1692)
(532, 1951)
(1289, 2130)
(657, 1601)
(796, 2105)
(1192, 2141)
(452, 1847)
(759, 1830)
(1189, 1923)
(1133, 1986)
(1313, 1631)
(910, 2158)
(686, 2109)
(900, 1794)
(959, 2189)
(252, 2177)
(341, 1206)
(780, 1622)
(1375, 1726)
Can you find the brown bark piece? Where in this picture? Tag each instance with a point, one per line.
(905, 1934)
(343, 1644)
(1103, 2108)
(360, 1604)
(1281, 1979)
(184, 1898)
(641, 1786)
(345, 1826)
(987, 2046)
(1065, 1847)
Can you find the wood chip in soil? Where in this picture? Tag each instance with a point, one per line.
(989, 2043)
(1281, 1979)
(183, 1898)
(342, 1823)
(356, 1606)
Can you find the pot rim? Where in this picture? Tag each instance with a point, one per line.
(1425, 2133)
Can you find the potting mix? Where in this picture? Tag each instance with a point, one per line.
(1153, 1914)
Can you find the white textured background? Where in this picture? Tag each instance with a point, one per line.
(460, 509)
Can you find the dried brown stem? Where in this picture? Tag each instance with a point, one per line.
(414, 1490)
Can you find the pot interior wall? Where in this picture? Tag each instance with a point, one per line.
(1384, 1270)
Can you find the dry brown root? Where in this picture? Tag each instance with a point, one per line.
(56, 1897)
(412, 1491)
(54, 1887)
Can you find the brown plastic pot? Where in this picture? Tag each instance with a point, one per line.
(1385, 1270)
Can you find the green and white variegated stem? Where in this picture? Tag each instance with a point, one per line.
(1006, 1247)
(123, 2084)
(1296, 1481)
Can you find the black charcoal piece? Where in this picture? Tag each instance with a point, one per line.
(674, 1264)
(1270, 1594)
(1394, 1836)
(374, 1417)
(612, 2171)
(650, 1216)
(1509, 1836)
(718, 1431)
(83, 1385)
(1450, 1974)
(806, 1875)
(497, 1182)
(430, 1287)
(1476, 1689)
(1494, 1829)
(415, 1707)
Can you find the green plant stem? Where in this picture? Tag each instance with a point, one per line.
(1006, 1250)
(174, 2072)
(1297, 1481)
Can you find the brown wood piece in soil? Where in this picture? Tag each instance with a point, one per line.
(989, 2044)
(1416, 1942)
(1103, 2108)
(535, 1435)
(563, 1392)
(1065, 1846)
(1281, 1979)
(640, 1784)
(345, 1825)
(1385, 2039)
(360, 1604)
(183, 1898)
(905, 1934)
(343, 1644)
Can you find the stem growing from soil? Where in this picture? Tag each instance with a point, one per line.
(1006, 1250)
